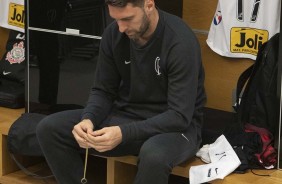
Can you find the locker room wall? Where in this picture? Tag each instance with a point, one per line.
(221, 72)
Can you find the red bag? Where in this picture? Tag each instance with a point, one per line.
(268, 156)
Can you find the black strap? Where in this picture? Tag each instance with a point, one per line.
(241, 83)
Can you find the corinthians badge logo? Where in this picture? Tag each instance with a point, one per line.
(157, 66)
(16, 55)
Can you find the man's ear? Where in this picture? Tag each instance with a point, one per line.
(149, 5)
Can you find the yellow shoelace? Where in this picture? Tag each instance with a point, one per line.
(84, 180)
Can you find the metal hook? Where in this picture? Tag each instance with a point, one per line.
(83, 181)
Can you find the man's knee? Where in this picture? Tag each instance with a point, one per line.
(43, 127)
(58, 122)
(153, 155)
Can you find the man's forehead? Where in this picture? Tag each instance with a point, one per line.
(123, 12)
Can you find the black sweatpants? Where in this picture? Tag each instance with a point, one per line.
(157, 155)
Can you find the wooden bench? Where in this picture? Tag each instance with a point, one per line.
(7, 117)
(120, 170)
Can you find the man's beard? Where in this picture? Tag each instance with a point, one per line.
(142, 30)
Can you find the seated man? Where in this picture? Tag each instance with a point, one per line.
(146, 100)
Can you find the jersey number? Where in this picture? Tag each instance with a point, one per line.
(240, 10)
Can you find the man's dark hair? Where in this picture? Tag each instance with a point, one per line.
(123, 3)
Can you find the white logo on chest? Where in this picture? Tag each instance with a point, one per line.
(157, 65)
(6, 73)
(127, 62)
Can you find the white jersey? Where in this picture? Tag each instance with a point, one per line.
(240, 27)
(12, 14)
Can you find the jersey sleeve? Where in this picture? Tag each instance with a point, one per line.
(106, 83)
